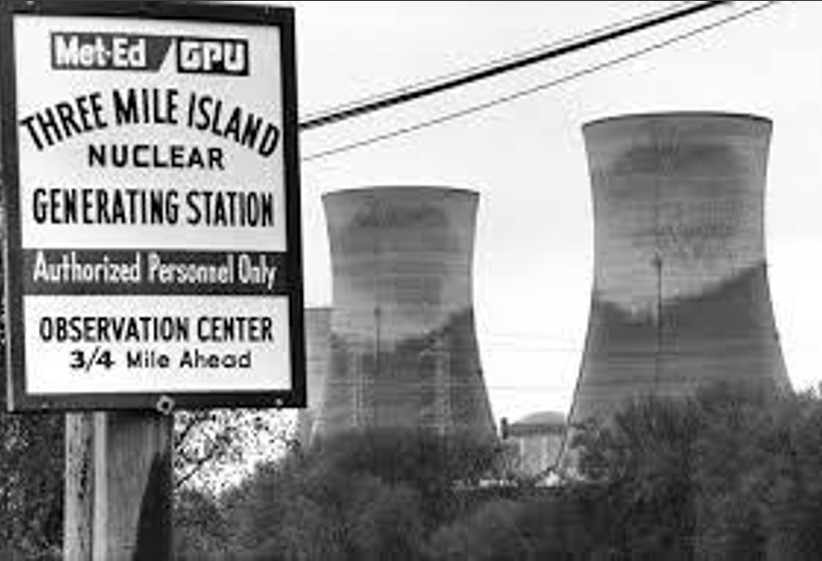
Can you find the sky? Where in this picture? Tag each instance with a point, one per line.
(533, 254)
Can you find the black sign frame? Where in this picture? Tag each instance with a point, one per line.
(18, 398)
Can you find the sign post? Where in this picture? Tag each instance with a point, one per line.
(153, 255)
(118, 489)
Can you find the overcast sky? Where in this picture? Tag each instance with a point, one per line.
(533, 260)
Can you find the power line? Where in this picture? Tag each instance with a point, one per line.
(411, 387)
(506, 66)
(307, 121)
(540, 87)
(532, 348)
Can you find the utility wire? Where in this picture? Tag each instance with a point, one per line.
(530, 91)
(507, 66)
(328, 113)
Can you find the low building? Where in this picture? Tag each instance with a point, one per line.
(538, 441)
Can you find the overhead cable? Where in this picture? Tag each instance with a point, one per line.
(507, 65)
(327, 112)
(540, 87)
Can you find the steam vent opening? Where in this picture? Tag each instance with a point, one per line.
(404, 351)
(680, 295)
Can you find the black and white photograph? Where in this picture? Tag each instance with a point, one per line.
(410, 280)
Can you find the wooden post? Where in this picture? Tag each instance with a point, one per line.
(118, 487)
(78, 494)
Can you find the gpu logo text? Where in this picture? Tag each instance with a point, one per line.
(212, 56)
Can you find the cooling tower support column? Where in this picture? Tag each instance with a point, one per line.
(680, 295)
(404, 350)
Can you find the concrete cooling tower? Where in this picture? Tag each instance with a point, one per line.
(317, 351)
(680, 295)
(403, 345)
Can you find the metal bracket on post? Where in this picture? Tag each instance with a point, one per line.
(165, 405)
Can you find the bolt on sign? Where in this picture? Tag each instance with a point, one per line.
(151, 191)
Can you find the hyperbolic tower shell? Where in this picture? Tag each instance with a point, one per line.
(404, 350)
(680, 295)
(317, 350)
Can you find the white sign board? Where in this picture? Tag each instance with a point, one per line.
(153, 206)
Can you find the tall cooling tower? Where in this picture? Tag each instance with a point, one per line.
(318, 345)
(404, 350)
(680, 294)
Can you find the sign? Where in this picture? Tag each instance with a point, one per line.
(151, 190)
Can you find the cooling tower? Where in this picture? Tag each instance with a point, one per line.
(403, 346)
(317, 350)
(680, 295)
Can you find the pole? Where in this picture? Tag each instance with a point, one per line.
(78, 491)
(118, 487)
(659, 325)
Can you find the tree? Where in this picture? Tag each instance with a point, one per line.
(214, 448)
(731, 473)
(31, 477)
(31, 485)
(200, 527)
(386, 522)
(490, 533)
(435, 466)
(363, 496)
(759, 465)
(643, 463)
